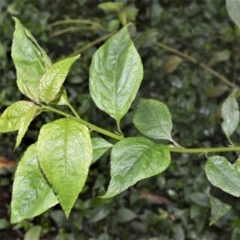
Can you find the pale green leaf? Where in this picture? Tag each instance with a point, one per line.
(230, 114)
(220, 56)
(218, 209)
(153, 119)
(52, 80)
(222, 174)
(111, 6)
(32, 195)
(62, 98)
(100, 146)
(134, 159)
(65, 154)
(30, 61)
(171, 63)
(233, 8)
(33, 233)
(115, 75)
(237, 166)
(25, 121)
(13, 117)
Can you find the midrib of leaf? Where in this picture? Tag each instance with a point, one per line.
(115, 88)
(65, 152)
(117, 82)
(40, 63)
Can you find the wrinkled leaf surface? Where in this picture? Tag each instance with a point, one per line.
(65, 154)
(13, 117)
(32, 195)
(134, 159)
(30, 61)
(116, 73)
(153, 119)
(51, 82)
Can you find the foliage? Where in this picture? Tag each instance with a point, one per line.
(196, 199)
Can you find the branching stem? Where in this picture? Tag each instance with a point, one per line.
(90, 125)
(202, 65)
(120, 137)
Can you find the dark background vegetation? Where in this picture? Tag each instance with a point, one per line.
(174, 205)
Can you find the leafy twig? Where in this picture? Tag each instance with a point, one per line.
(202, 65)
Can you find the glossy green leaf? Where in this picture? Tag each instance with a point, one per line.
(153, 119)
(233, 8)
(65, 154)
(100, 146)
(222, 174)
(230, 114)
(52, 80)
(115, 75)
(30, 61)
(25, 122)
(13, 117)
(218, 209)
(32, 195)
(134, 159)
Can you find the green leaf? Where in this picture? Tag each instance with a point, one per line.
(13, 117)
(33, 233)
(233, 8)
(111, 6)
(223, 175)
(25, 122)
(52, 80)
(30, 61)
(134, 159)
(125, 215)
(153, 119)
(65, 154)
(62, 98)
(116, 73)
(100, 146)
(31, 194)
(230, 114)
(218, 209)
(171, 63)
(220, 56)
(99, 213)
(237, 166)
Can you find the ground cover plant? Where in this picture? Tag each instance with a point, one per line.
(152, 118)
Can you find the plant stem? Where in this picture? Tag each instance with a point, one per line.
(202, 65)
(93, 43)
(91, 126)
(73, 111)
(203, 150)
